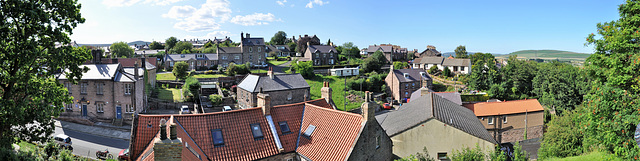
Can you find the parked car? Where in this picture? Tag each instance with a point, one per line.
(63, 140)
(124, 154)
(184, 109)
(386, 106)
(226, 108)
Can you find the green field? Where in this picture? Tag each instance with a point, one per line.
(169, 94)
(337, 84)
(590, 156)
(548, 54)
(170, 77)
(275, 62)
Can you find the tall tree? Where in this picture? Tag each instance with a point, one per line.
(560, 86)
(182, 47)
(180, 70)
(374, 62)
(155, 45)
(484, 72)
(279, 38)
(121, 50)
(170, 43)
(30, 95)
(461, 52)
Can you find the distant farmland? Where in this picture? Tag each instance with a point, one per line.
(548, 55)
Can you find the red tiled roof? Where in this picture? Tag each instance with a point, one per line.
(145, 133)
(506, 107)
(334, 136)
(187, 140)
(239, 143)
(292, 114)
(321, 102)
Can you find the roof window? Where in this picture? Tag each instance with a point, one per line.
(284, 127)
(406, 75)
(256, 131)
(216, 134)
(309, 131)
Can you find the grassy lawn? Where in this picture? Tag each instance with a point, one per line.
(26, 146)
(275, 62)
(258, 71)
(590, 156)
(171, 94)
(337, 84)
(169, 76)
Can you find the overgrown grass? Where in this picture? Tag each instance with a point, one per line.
(337, 84)
(26, 146)
(171, 77)
(275, 62)
(590, 156)
(442, 88)
(170, 94)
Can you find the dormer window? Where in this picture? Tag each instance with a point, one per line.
(216, 134)
(405, 75)
(281, 47)
(182, 55)
(200, 56)
(309, 131)
(256, 131)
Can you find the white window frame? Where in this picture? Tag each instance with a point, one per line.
(490, 120)
(69, 107)
(504, 119)
(83, 87)
(250, 49)
(99, 88)
(129, 108)
(200, 56)
(100, 107)
(259, 49)
(68, 86)
(127, 89)
(237, 57)
(171, 63)
(199, 63)
(224, 57)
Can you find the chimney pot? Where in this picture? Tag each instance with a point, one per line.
(173, 133)
(163, 129)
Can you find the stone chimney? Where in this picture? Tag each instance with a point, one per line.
(247, 35)
(308, 44)
(424, 91)
(166, 149)
(264, 102)
(270, 73)
(368, 107)
(97, 58)
(325, 92)
(241, 36)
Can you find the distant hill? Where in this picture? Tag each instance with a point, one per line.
(130, 43)
(547, 54)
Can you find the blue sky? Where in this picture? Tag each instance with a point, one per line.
(482, 26)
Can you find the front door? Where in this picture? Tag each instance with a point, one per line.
(118, 112)
(84, 109)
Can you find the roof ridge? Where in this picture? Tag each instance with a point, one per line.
(299, 103)
(507, 101)
(332, 110)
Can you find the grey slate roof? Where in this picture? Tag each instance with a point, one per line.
(252, 41)
(132, 71)
(322, 49)
(230, 50)
(432, 106)
(97, 71)
(253, 83)
(384, 49)
(185, 57)
(414, 75)
(430, 52)
(431, 60)
(456, 62)
(278, 48)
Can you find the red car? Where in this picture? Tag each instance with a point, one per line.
(124, 154)
(386, 106)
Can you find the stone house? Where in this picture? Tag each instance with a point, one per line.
(391, 52)
(435, 123)
(197, 61)
(148, 64)
(105, 93)
(281, 50)
(460, 66)
(251, 50)
(283, 88)
(301, 131)
(321, 55)
(507, 121)
(403, 82)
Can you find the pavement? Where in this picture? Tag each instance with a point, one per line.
(99, 129)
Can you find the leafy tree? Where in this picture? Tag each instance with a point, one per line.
(30, 96)
(350, 50)
(215, 99)
(374, 62)
(191, 89)
(468, 154)
(304, 68)
(484, 73)
(234, 69)
(181, 47)
(210, 50)
(400, 65)
(516, 79)
(208, 45)
(185, 51)
(121, 50)
(279, 38)
(180, 70)
(560, 86)
(170, 42)
(292, 45)
(434, 69)
(461, 52)
(155, 45)
(446, 72)
(563, 137)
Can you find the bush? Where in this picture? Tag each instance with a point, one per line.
(234, 69)
(446, 72)
(191, 89)
(468, 154)
(215, 99)
(563, 137)
(424, 156)
(180, 70)
(374, 82)
(433, 70)
(304, 68)
(209, 72)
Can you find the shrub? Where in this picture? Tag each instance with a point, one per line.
(468, 154)
(215, 99)
(563, 137)
(433, 70)
(446, 72)
(424, 156)
(180, 70)
(304, 68)
(191, 89)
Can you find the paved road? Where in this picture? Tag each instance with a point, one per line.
(87, 144)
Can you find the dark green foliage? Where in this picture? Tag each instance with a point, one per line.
(374, 62)
(292, 45)
(279, 38)
(400, 65)
(560, 86)
(30, 60)
(467, 154)
(155, 45)
(446, 72)
(121, 50)
(215, 99)
(373, 82)
(304, 68)
(433, 70)
(191, 89)
(349, 50)
(234, 69)
(461, 52)
(180, 70)
(484, 73)
(208, 45)
(563, 137)
(181, 47)
(516, 78)
(170, 42)
(210, 50)
(424, 156)
(518, 154)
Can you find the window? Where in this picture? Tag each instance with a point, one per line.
(413, 84)
(99, 88)
(284, 127)
(490, 120)
(216, 134)
(330, 61)
(256, 131)
(259, 49)
(69, 107)
(129, 108)
(171, 63)
(224, 57)
(100, 107)
(289, 97)
(443, 156)
(309, 131)
(200, 56)
(237, 57)
(406, 86)
(182, 55)
(83, 88)
(317, 55)
(504, 119)
(331, 55)
(68, 86)
(250, 49)
(259, 57)
(199, 63)
(377, 141)
(324, 55)
(406, 94)
(127, 89)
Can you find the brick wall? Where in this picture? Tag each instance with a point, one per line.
(167, 150)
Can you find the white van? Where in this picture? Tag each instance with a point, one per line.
(226, 108)
(63, 140)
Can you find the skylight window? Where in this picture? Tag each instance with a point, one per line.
(256, 131)
(309, 131)
(284, 127)
(216, 134)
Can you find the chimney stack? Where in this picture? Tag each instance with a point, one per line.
(424, 91)
(247, 35)
(368, 107)
(270, 72)
(308, 44)
(264, 102)
(325, 92)
(168, 149)
(163, 129)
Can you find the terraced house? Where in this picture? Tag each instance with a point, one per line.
(251, 50)
(283, 88)
(197, 61)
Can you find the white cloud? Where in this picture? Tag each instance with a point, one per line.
(207, 17)
(211, 35)
(254, 19)
(281, 3)
(162, 2)
(123, 3)
(318, 2)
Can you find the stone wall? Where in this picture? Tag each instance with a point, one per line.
(167, 149)
(514, 135)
